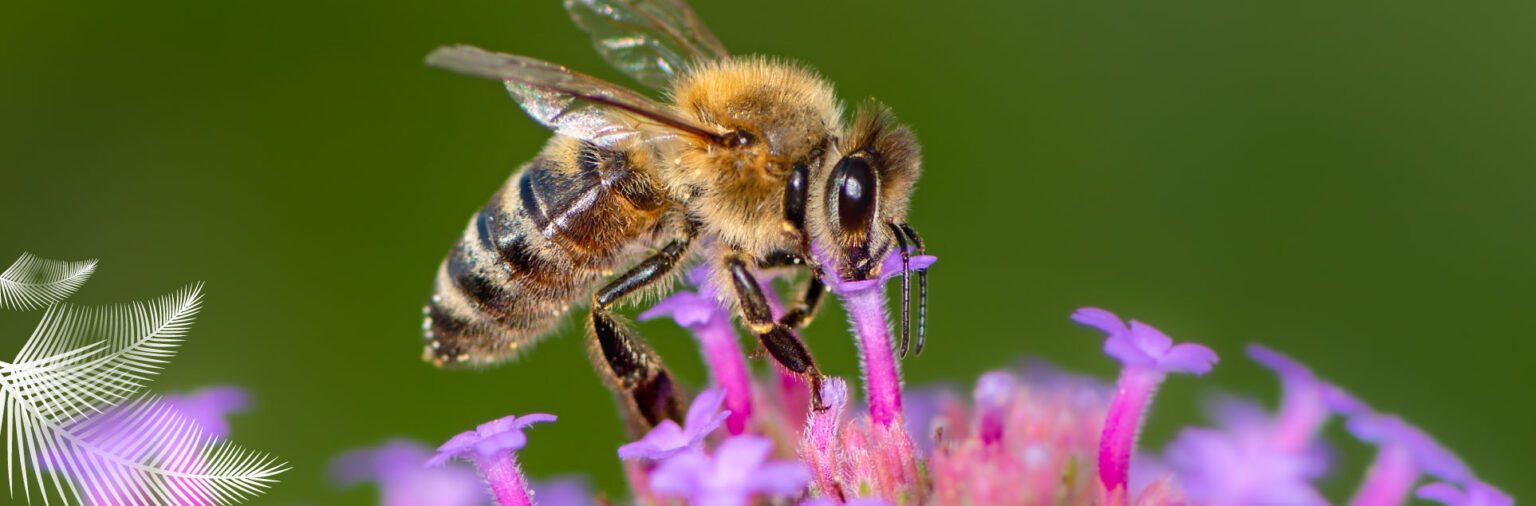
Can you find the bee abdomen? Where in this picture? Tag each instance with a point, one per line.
(540, 246)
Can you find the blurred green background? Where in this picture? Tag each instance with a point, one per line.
(1350, 182)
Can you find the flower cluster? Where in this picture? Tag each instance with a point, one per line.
(1029, 436)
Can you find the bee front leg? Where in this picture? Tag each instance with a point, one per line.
(645, 388)
(782, 344)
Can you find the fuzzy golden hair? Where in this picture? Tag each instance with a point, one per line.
(789, 115)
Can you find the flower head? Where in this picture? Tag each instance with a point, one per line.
(1141, 345)
(1148, 356)
(738, 469)
(490, 440)
(1256, 458)
(1307, 401)
(668, 439)
(1237, 465)
(889, 268)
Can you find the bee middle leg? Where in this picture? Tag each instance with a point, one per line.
(805, 308)
(776, 337)
(645, 387)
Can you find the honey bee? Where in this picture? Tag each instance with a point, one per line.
(745, 165)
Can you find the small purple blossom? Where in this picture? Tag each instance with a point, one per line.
(1238, 464)
(1306, 403)
(490, 440)
(668, 439)
(1148, 356)
(1142, 346)
(209, 408)
(738, 470)
(1254, 458)
(493, 447)
(865, 301)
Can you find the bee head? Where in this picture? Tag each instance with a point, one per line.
(862, 198)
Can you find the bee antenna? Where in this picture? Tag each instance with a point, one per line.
(922, 289)
(906, 289)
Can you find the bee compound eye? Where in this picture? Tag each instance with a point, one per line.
(854, 181)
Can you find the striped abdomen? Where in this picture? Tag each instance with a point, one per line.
(547, 239)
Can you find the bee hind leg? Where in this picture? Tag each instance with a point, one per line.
(645, 388)
(782, 344)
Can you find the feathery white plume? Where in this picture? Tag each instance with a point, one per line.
(74, 426)
(33, 282)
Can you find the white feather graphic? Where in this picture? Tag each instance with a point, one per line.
(74, 427)
(33, 282)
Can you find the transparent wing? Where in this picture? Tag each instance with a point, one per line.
(570, 103)
(651, 40)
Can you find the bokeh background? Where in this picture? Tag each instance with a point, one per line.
(1350, 182)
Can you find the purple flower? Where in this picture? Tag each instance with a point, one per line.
(1475, 494)
(1254, 458)
(1307, 401)
(1238, 463)
(490, 440)
(1148, 356)
(865, 302)
(209, 407)
(738, 470)
(889, 268)
(493, 447)
(668, 439)
(399, 468)
(1141, 345)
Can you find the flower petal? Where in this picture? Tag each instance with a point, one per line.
(1189, 358)
(681, 476)
(743, 452)
(664, 440)
(779, 478)
(532, 418)
(1100, 319)
(1152, 341)
(703, 414)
